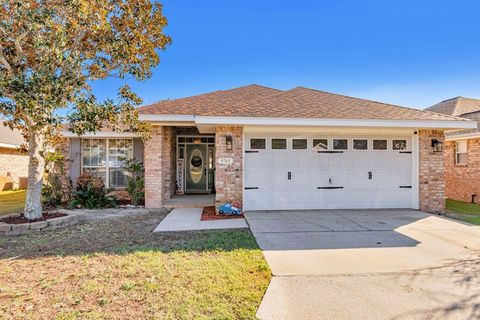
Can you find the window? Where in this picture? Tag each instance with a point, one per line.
(461, 152)
(379, 144)
(340, 144)
(360, 144)
(257, 143)
(279, 144)
(299, 143)
(399, 144)
(108, 166)
(320, 144)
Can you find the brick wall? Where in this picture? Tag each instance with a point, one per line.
(13, 168)
(169, 162)
(462, 181)
(431, 172)
(159, 162)
(229, 177)
(153, 168)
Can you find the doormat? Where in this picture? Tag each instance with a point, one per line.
(209, 213)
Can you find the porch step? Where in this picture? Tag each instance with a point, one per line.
(190, 201)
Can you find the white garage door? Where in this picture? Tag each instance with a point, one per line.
(327, 172)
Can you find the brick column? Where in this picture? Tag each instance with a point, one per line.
(431, 172)
(229, 177)
(153, 168)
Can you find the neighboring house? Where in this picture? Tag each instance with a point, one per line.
(271, 149)
(462, 151)
(13, 161)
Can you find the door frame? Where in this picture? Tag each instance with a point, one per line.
(208, 145)
(348, 132)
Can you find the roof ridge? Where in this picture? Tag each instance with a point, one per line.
(378, 102)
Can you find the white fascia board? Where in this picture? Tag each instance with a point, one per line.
(257, 121)
(464, 136)
(167, 118)
(9, 146)
(100, 134)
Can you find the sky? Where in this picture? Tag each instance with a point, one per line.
(410, 53)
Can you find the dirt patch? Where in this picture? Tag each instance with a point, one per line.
(210, 213)
(21, 218)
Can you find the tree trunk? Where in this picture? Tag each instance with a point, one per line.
(36, 168)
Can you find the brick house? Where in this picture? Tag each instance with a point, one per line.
(462, 151)
(13, 161)
(273, 149)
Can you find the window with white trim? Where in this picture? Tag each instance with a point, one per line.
(105, 158)
(461, 152)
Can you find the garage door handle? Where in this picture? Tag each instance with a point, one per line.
(405, 151)
(405, 187)
(251, 188)
(289, 175)
(251, 151)
(329, 151)
(329, 187)
(370, 175)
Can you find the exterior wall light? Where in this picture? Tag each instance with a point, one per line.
(229, 142)
(437, 145)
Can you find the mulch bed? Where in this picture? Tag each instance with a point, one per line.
(21, 218)
(210, 213)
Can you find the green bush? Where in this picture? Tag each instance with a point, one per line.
(57, 187)
(90, 193)
(135, 182)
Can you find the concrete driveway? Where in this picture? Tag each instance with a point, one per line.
(368, 264)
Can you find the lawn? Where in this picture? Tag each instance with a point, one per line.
(11, 201)
(463, 211)
(119, 269)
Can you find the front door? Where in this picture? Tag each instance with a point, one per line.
(196, 168)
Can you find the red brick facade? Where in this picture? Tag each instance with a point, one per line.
(431, 172)
(229, 177)
(463, 181)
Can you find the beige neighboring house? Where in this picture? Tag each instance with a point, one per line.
(268, 149)
(13, 161)
(462, 150)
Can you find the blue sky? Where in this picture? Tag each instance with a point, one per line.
(412, 53)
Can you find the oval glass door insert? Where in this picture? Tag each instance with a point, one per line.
(196, 166)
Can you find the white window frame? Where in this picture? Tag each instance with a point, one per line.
(107, 166)
(457, 153)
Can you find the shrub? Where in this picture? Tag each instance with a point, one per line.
(57, 187)
(90, 193)
(135, 182)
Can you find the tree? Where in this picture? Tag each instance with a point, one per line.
(50, 50)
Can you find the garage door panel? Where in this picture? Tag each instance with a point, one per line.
(328, 180)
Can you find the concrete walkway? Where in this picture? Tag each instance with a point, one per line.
(188, 219)
(360, 264)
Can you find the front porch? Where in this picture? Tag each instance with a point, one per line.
(190, 168)
(190, 201)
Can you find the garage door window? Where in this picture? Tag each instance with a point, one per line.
(320, 144)
(299, 143)
(279, 144)
(340, 144)
(399, 144)
(360, 144)
(257, 143)
(379, 144)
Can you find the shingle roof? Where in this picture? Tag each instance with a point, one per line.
(456, 106)
(300, 102)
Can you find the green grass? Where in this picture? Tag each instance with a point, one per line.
(11, 201)
(463, 211)
(119, 269)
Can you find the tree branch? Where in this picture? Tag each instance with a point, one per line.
(4, 61)
(17, 42)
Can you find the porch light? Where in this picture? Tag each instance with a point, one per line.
(229, 142)
(197, 140)
(437, 145)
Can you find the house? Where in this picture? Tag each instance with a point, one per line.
(13, 160)
(273, 150)
(462, 151)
